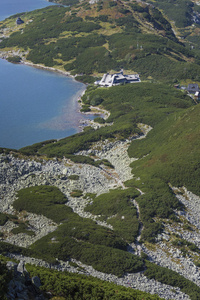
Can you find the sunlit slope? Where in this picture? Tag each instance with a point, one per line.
(128, 105)
(172, 150)
(169, 156)
(157, 105)
(95, 38)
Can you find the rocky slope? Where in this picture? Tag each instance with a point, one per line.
(16, 173)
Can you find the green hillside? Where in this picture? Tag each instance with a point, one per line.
(93, 39)
(158, 41)
(161, 107)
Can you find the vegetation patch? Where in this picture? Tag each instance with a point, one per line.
(76, 193)
(170, 148)
(14, 59)
(76, 237)
(3, 219)
(172, 278)
(117, 209)
(185, 246)
(74, 286)
(45, 200)
(5, 277)
(22, 228)
(73, 177)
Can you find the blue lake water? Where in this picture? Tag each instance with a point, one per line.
(35, 104)
(11, 7)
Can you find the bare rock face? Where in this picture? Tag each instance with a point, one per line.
(22, 286)
(36, 281)
(21, 268)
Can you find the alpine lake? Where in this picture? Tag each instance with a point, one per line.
(35, 104)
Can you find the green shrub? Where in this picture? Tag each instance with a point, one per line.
(172, 278)
(22, 228)
(46, 200)
(3, 219)
(14, 59)
(85, 108)
(5, 277)
(76, 193)
(96, 100)
(73, 177)
(117, 209)
(75, 286)
(99, 120)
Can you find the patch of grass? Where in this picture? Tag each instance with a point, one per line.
(73, 177)
(46, 200)
(64, 284)
(3, 219)
(76, 237)
(22, 228)
(116, 208)
(172, 148)
(76, 193)
(172, 278)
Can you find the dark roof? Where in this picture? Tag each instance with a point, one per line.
(19, 21)
(193, 87)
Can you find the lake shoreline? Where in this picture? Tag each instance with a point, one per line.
(77, 97)
(71, 116)
(38, 66)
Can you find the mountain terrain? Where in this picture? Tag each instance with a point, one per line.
(118, 201)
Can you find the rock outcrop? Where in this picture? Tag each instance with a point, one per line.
(22, 286)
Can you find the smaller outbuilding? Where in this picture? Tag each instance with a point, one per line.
(19, 21)
(193, 88)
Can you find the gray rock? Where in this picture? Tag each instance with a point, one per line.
(36, 281)
(21, 268)
(12, 266)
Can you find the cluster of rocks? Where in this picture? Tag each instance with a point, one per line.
(172, 258)
(192, 204)
(38, 224)
(11, 53)
(116, 154)
(18, 173)
(165, 253)
(22, 286)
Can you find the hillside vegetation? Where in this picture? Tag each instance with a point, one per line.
(91, 39)
(73, 286)
(161, 107)
(77, 237)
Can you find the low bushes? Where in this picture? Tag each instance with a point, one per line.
(74, 286)
(117, 209)
(76, 237)
(172, 278)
